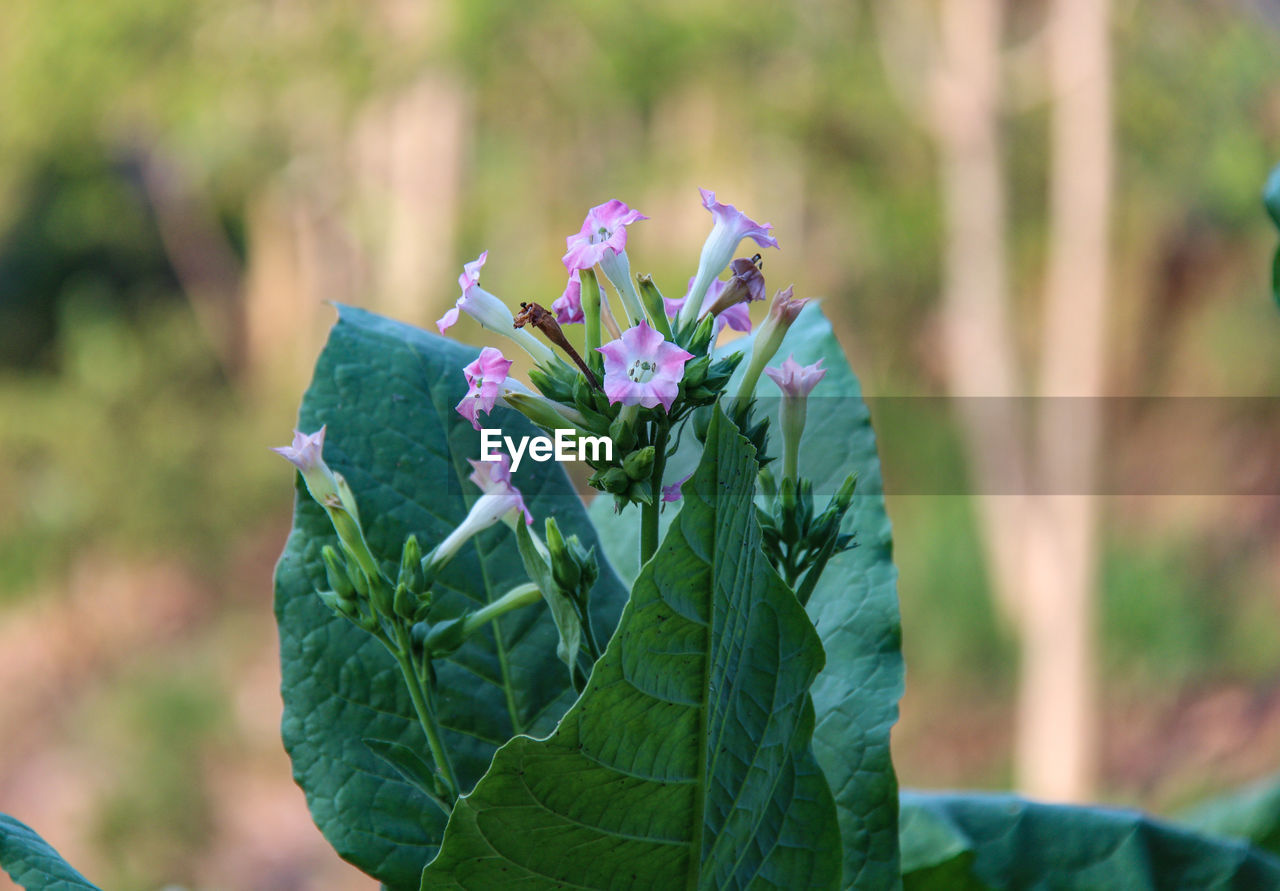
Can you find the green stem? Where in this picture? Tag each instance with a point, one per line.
(649, 512)
(521, 595)
(426, 716)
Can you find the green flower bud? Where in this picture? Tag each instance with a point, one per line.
(336, 572)
(343, 606)
(654, 306)
(405, 602)
(695, 372)
(564, 568)
(622, 430)
(615, 481)
(411, 565)
(639, 465)
(844, 497)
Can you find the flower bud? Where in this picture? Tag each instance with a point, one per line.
(336, 572)
(654, 306)
(343, 606)
(844, 497)
(405, 602)
(411, 565)
(639, 464)
(615, 481)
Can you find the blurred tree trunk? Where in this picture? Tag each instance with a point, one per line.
(369, 224)
(1033, 495)
(1057, 713)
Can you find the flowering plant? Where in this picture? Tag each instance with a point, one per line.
(705, 700)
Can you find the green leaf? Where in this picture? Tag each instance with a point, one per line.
(855, 606)
(1271, 195)
(686, 762)
(410, 765)
(33, 863)
(387, 393)
(1252, 813)
(962, 841)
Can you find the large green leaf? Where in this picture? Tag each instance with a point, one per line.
(686, 762)
(855, 607)
(386, 392)
(33, 863)
(952, 842)
(1252, 813)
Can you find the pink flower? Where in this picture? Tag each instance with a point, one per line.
(604, 230)
(796, 380)
(475, 300)
(492, 313)
(643, 369)
(736, 224)
(485, 377)
(305, 452)
(494, 480)
(729, 227)
(568, 306)
(672, 492)
(498, 500)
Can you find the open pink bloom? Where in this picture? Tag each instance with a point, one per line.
(492, 313)
(641, 368)
(796, 380)
(735, 224)
(475, 301)
(494, 480)
(672, 492)
(604, 229)
(568, 306)
(485, 377)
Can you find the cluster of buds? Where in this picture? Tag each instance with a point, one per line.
(797, 542)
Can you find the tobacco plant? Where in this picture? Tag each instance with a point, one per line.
(690, 682)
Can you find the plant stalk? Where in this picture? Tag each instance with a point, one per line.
(649, 512)
(426, 716)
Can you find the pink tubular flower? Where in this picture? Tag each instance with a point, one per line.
(494, 480)
(492, 313)
(730, 226)
(485, 377)
(604, 229)
(499, 500)
(796, 380)
(325, 486)
(475, 300)
(672, 492)
(641, 368)
(568, 306)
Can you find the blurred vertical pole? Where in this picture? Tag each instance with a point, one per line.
(1057, 709)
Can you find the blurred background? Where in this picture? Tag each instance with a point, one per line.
(1007, 206)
